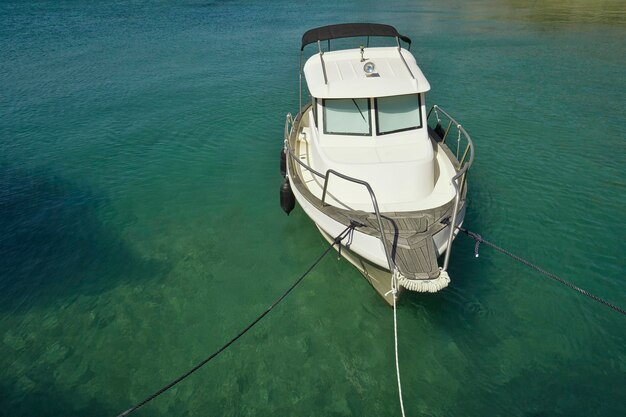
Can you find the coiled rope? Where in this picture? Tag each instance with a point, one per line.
(336, 241)
(479, 239)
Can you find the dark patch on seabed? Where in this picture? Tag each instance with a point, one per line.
(47, 403)
(53, 244)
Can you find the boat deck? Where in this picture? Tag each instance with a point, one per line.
(409, 234)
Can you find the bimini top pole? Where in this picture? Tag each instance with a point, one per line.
(402, 57)
(319, 47)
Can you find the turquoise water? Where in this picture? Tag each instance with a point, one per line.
(141, 227)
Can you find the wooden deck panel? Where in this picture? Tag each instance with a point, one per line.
(419, 262)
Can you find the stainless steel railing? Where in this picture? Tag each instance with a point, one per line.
(289, 123)
(460, 179)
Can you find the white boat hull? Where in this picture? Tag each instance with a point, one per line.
(366, 252)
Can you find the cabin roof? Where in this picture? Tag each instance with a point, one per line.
(347, 78)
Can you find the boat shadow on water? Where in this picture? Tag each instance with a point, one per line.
(55, 244)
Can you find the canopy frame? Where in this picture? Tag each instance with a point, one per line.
(348, 30)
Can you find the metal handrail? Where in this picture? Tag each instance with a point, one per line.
(463, 168)
(470, 143)
(288, 121)
(374, 203)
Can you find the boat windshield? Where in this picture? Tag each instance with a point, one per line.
(347, 116)
(398, 113)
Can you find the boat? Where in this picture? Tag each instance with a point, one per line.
(364, 153)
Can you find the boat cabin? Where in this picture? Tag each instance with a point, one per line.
(368, 121)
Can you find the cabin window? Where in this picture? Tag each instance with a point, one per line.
(314, 107)
(398, 113)
(349, 116)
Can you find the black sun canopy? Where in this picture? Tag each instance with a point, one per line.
(350, 30)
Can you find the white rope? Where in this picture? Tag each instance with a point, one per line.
(426, 285)
(394, 289)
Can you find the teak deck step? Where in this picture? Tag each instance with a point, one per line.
(419, 261)
(411, 243)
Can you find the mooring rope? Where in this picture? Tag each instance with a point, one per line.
(394, 291)
(479, 239)
(336, 241)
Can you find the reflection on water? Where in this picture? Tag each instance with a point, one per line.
(550, 11)
(570, 11)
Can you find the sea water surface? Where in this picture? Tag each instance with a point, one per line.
(140, 227)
